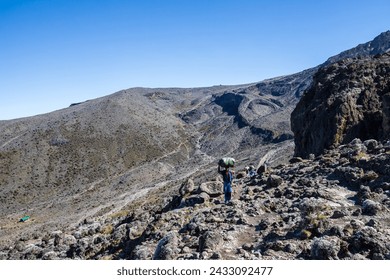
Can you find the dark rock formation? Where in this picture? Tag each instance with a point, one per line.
(348, 99)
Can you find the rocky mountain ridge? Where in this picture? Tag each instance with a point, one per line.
(379, 45)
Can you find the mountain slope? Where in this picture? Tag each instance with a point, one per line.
(67, 161)
(102, 156)
(96, 156)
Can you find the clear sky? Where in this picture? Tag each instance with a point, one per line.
(57, 52)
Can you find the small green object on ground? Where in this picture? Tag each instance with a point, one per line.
(25, 218)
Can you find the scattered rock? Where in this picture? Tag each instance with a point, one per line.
(325, 248)
(213, 189)
(210, 240)
(187, 187)
(371, 144)
(262, 169)
(370, 207)
(274, 181)
(195, 199)
(338, 214)
(167, 247)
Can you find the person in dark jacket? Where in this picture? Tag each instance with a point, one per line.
(227, 183)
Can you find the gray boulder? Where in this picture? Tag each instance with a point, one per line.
(194, 199)
(274, 181)
(370, 207)
(325, 248)
(187, 187)
(210, 240)
(167, 247)
(371, 144)
(213, 189)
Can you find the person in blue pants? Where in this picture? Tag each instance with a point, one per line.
(227, 183)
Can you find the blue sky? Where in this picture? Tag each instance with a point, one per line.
(57, 52)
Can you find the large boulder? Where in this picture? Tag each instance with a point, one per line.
(213, 189)
(347, 100)
(167, 247)
(325, 248)
(187, 187)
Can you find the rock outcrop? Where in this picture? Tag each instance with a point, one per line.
(348, 99)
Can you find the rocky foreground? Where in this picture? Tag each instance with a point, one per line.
(334, 206)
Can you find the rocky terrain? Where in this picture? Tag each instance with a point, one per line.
(334, 206)
(133, 175)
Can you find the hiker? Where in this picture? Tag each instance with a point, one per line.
(227, 183)
(251, 171)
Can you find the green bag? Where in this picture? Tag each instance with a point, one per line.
(227, 162)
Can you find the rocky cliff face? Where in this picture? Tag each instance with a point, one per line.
(348, 99)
